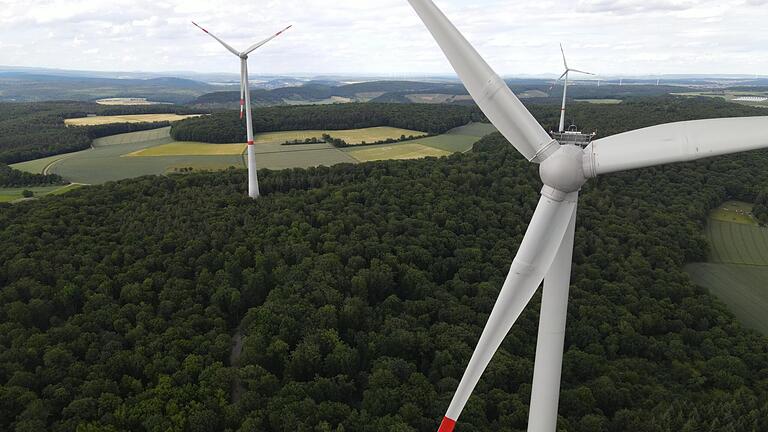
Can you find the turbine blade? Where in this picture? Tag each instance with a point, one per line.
(243, 87)
(232, 50)
(255, 46)
(675, 142)
(565, 62)
(491, 93)
(581, 72)
(542, 240)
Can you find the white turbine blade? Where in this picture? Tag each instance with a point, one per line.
(562, 51)
(581, 72)
(537, 251)
(491, 93)
(255, 46)
(243, 87)
(232, 50)
(675, 142)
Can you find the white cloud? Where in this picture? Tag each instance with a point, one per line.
(385, 36)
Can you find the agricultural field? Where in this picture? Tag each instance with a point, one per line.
(156, 153)
(128, 102)
(15, 194)
(601, 101)
(733, 96)
(737, 271)
(402, 151)
(183, 148)
(351, 136)
(134, 118)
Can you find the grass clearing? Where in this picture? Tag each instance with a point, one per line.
(134, 118)
(15, 194)
(398, 152)
(737, 271)
(184, 148)
(601, 101)
(742, 288)
(734, 211)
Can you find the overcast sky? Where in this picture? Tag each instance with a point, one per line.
(629, 37)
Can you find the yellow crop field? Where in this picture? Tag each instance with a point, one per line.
(399, 151)
(134, 118)
(351, 136)
(183, 148)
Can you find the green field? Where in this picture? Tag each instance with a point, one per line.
(158, 135)
(107, 160)
(737, 271)
(391, 152)
(185, 148)
(736, 212)
(15, 194)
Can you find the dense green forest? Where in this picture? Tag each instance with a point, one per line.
(227, 127)
(360, 292)
(35, 130)
(10, 177)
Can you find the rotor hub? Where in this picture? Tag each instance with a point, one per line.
(564, 170)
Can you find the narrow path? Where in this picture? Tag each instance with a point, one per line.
(237, 389)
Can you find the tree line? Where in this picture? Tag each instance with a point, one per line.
(227, 127)
(35, 130)
(10, 177)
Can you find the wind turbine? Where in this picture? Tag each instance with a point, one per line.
(245, 102)
(546, 250)
(565, 75)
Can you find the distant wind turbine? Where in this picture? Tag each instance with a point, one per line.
(565, 75)
(545, 252)
(245, 102)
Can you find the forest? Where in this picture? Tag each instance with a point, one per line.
(359, 292)
(226, 127)
(10, 177)
(35, 130)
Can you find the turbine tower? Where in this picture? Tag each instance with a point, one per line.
(245, 102)
(565, 87)
(546, 249)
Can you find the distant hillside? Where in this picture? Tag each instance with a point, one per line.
(26, 87)
(405, 92)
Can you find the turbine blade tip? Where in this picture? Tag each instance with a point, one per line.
(447, 425)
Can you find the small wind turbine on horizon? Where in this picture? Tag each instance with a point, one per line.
(565, 76)
(546, 250)
(245, 103)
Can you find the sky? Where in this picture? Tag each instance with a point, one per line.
(386, 38)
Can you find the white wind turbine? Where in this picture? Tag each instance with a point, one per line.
(245, 102)
(565, 87)
(546, 250)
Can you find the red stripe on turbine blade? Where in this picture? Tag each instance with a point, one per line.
(447, 425)
(250, 142)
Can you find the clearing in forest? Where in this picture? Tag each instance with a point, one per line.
(737, 271)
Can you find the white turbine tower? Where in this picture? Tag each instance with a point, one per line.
(245, 102)
(565, 76)
(546, 250)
